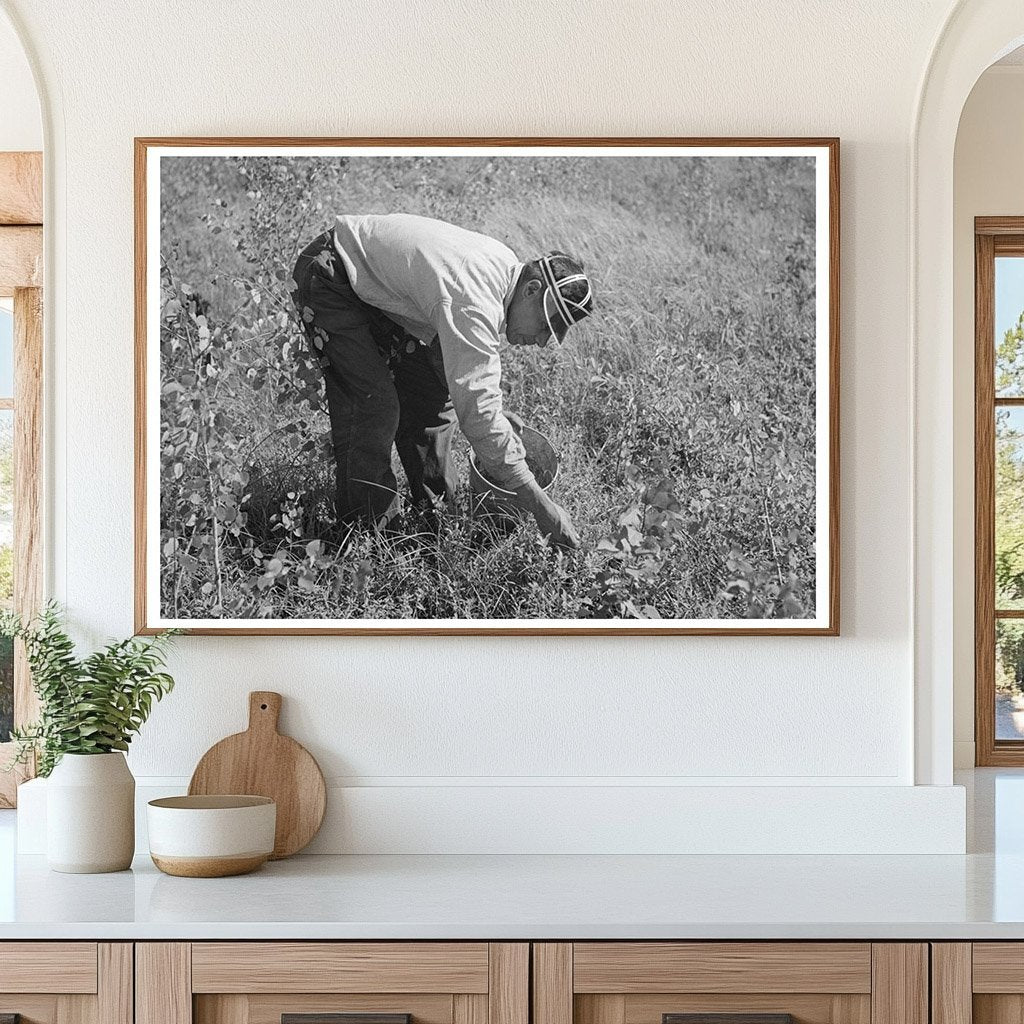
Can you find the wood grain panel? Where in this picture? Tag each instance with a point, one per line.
(997, 225)
(76, 1009)
(28, 483)
(163, 983)
(115, 983)
(32, 1009)
(998, 967)
(603, 1009)
(899, 989)
(998, 1009)
(28, 489)
(28, 352)
(805, 1008)
(469, 1009)
(633, 967)
(267, 1009)
(260, 761)
(21, 188)
(339, 967)
(851, 1009)
(227, 1009)
(552, 983)
(951, 983)
(508, 992)
(141, 374)
(1010, 245)
(65, 967)
(21, 258)
(984, 502)
(11, 780)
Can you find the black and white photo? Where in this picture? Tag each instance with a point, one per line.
(420, 386)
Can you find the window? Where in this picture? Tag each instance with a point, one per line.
(999, 490)
(21, 364)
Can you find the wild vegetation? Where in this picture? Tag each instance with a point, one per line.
(683, 410)
(1009, 511)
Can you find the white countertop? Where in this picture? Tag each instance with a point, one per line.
(977, 896)
(517, 897)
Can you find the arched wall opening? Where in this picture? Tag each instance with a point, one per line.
(989, 152)
(976, 34)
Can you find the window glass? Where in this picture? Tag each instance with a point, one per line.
(1009, 495)
(6, 353)
(1009, 679)
(1009, 327)
(1009, 513)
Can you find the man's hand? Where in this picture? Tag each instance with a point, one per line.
(552, 520)
(554, 523)
(516, 420)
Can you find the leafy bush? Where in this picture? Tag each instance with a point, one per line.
(89, 705)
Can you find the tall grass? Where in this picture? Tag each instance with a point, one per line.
(683, 410)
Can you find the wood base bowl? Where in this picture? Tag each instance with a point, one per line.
(211, 836)
(208, 867)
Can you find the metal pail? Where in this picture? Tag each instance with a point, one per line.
(542, 459)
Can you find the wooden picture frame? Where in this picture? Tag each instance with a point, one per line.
(820, 617)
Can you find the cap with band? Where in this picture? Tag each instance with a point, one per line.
(569, 290)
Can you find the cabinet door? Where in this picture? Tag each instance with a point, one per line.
(980, 982)
(730, 983)
(332, 983)
(66, 982)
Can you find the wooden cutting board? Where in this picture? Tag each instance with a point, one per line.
(262, 762)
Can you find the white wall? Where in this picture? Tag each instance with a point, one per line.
(447, 713)
(987, 182)
(21, 127)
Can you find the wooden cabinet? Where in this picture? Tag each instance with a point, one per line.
(66, 982)
(978, 983)
(753, 982)
(308, 982)
(499, 983)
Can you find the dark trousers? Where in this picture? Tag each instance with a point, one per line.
(384, 388)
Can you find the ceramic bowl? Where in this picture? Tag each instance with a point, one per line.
(211, 836)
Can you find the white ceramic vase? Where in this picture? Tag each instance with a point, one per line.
(90, 814)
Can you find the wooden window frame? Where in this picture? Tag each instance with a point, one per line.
(21, 278)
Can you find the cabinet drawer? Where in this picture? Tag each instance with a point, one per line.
(64, 967)
(752, 967)
(332, 983)
(340, 967)
(66, 982)
(981, 982)
(730, 983)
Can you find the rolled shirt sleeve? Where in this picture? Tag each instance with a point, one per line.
(469, 346)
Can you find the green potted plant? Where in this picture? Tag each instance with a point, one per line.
(89, 710)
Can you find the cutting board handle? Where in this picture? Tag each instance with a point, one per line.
(264, 710)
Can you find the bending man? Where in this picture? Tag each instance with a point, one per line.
(406, 314)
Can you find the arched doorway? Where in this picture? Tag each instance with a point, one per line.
(975, 35)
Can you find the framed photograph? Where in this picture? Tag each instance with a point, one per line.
(506, 386)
